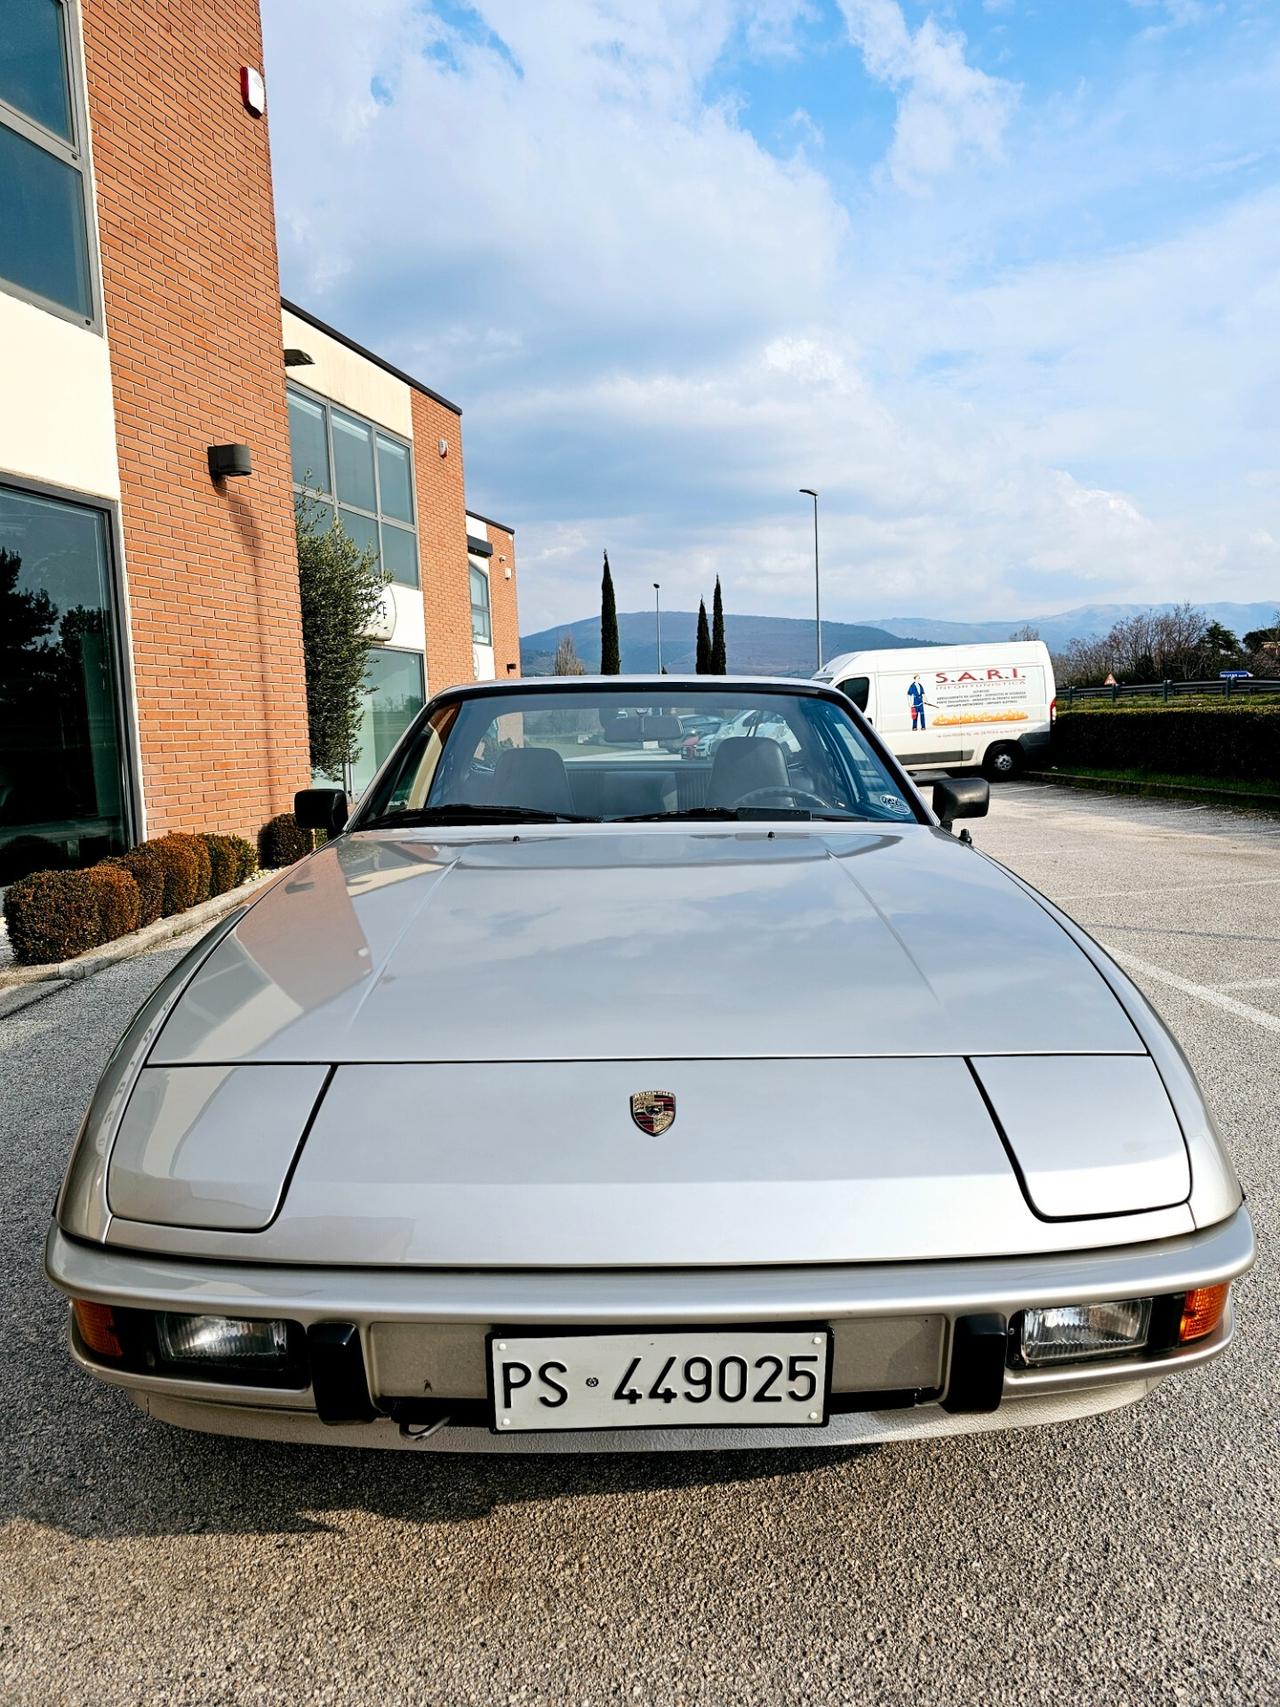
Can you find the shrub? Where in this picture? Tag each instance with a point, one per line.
(119, 902)
(224, 863)
(1241, 741)
(181, 872)
(52, 915)
(147, 872)
(282, 841)
(246, 858)
(200, 854)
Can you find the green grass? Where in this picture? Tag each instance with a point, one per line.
(1153, 702)
(1231, 784)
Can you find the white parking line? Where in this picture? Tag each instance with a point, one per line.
(1202, 992)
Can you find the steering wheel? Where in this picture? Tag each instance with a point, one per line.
(756, 796)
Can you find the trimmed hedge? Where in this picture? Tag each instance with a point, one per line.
(1206, 740)
(147, 872)
(282, 841)
(224, 862)
(52, 915)
(119, 903)
(199, 851)
(246, 859)
(181, 873)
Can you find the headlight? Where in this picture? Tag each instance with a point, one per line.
(254, 1353)
(1067, 1333)
(221, 1339)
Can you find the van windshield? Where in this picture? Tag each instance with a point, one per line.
(605, 754)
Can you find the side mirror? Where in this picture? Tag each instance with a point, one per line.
(960, 797)
(324, 809)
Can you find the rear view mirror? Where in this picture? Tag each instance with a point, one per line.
(960, 797)
(324, 809)
(628, 728)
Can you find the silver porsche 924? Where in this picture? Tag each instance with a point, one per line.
(582, 1093)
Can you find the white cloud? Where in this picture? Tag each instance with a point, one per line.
(948, 110)
(660, 330)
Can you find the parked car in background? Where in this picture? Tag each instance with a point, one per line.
(587, 1099)
(983, 705)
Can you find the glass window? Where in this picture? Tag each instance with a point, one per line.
(33, 63)
(62, 787)
(309, 443)
(395, 485)
(43, 241)
(857, 689)
(363, 529)
(400, 554)
(481, 627)
(353, 461)
(374, 477)
(599, 752)
(394, 697)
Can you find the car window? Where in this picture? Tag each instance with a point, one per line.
(857, 688)
(614, 753)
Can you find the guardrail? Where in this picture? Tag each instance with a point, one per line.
(1230, 688)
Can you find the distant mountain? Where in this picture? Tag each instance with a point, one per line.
(1083, 623)
(783, 645)
(756, 645)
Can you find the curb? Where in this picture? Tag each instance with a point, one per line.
(20, 986)
(1160, 790)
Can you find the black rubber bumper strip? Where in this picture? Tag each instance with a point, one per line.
(338, 1379)
(978, 1348)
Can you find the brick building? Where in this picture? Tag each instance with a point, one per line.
(151, 671)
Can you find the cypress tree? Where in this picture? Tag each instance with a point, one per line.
(703, 664)
(719, 660)
(610, 656)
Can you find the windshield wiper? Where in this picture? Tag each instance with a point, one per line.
(742, 814)
(467, 812)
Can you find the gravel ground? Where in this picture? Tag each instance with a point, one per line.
(1130, 1558)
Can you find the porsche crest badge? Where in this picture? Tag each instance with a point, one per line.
(653, 1111)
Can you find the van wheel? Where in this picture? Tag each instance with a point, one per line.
(1003, 761)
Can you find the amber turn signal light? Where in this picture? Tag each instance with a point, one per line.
(1202, 1310)
(97, 1328)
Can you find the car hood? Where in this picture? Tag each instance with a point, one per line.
(644, 945)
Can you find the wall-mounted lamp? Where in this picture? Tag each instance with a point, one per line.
(444, 447)
(229, 461)
(298, 358)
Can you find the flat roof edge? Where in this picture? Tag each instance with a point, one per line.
(369, 356)
(489, 522)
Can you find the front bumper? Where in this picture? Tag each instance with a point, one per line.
(452, 1311)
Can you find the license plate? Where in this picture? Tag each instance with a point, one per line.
(683, 1379)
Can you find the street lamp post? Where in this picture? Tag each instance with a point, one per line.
(808, 492)
(657, 617)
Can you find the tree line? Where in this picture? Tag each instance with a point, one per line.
(1179, 644)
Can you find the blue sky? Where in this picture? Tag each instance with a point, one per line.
(1000, 277)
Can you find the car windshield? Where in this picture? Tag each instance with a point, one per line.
(616, 754)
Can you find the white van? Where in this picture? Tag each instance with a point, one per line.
(990, 705)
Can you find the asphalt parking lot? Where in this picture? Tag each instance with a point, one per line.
(1133, 1557)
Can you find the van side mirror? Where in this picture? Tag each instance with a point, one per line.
(324, 809)
(960, 797)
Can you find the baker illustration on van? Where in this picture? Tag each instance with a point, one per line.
(989, 705)
(915, 693)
